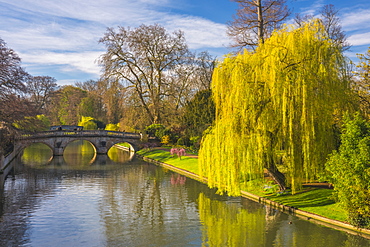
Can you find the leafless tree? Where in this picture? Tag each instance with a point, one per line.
(40, 89)
(12, 75)
(255, 20)
(147, 59)
(329, 17)
(13, 105)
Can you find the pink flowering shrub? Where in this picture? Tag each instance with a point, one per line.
(178, 151)
(173, 151)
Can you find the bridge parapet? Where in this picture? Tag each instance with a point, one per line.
(84, 133)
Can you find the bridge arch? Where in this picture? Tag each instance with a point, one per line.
(101, 140)
(21, 146)
(70, 141)
(36, 154)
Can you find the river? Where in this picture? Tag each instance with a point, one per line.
(80, 199)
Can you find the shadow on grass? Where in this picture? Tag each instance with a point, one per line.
(310, 197)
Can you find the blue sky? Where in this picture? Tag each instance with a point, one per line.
(59, 38)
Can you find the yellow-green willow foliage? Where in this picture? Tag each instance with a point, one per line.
(275, 107)
(230, 225)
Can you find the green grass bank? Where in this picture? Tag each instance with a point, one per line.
(311, 203)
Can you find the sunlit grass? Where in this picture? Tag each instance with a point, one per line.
(314, 200)
(186, 163)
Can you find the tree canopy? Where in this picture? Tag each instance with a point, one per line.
(362, 82)
(156, 67)
(276, 110)
(199, 113)
(349, 170)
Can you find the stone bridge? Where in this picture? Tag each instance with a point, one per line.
(101, 140)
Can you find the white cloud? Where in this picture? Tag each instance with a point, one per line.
(312, 9)
(359, 39)
(64, 34)
(356, 19)
(84, 61)
(199, 32)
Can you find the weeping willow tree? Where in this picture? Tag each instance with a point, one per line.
(275, 110)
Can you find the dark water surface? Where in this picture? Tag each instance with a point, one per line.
(85, 200)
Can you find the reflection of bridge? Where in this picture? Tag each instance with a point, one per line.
(102, 140)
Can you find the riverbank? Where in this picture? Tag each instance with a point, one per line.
(314, 200)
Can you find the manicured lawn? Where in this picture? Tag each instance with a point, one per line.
(311, 199)
(314, 200)
(186, 163)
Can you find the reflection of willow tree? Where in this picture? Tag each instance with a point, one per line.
(229, 225)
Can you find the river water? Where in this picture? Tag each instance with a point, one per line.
(85, 200)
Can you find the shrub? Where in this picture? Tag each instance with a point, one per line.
(349, 170)
(165, 139)
(112, 127)
(183, 141)
(157, 130)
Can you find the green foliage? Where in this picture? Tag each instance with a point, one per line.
(157, 130)
(165, 139)
(270, 188)
(112, 127)
(350, 170)
(90, 123)
(362, 82)
(199, 113)
(276, 107)
(183, 141)
(65, 105)
(33, 124)
(88, 106)
(44, 120)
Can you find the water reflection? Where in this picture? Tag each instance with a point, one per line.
(77, 155)
(37, 154)
(131, 203)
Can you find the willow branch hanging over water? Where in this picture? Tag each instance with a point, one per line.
(275, 110)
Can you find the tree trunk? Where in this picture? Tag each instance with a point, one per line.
(260, 27)
(270, 162)
(277, 176)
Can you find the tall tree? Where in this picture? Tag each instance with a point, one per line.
(255, 20)
(12, 75)
(94, 105)
(331, 22)
(199, 113)
(361, 83)
(142, 58)
(186, 81)
(275, 110)
(14, 106)
(113, 99)
(40, 89)
(64, 105)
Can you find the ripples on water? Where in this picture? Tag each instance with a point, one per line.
(73, 201)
